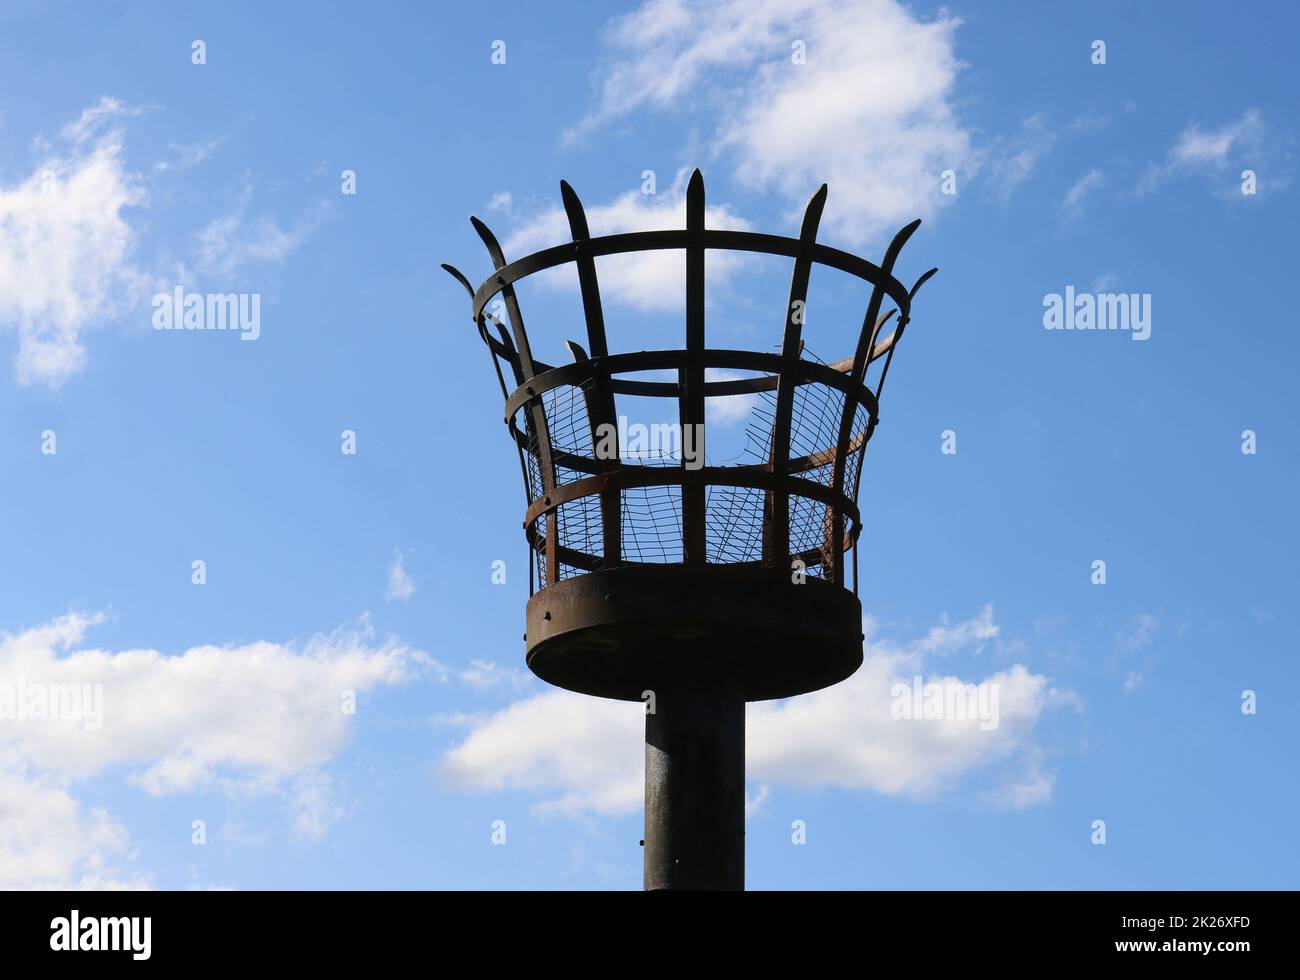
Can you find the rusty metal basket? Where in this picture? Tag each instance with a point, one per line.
(643, 566)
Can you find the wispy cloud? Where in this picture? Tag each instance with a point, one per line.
(91, 122)
(254, 712)
(237, 240)
(1006, 162)
(315, 802)
(797, 92)
(581, 754)
(502, 202)
(1221, 154)
(1072, 203)
(48, 839)
(728, 410)
(1009, 161)
(247, 719)
(1136, 634)
(945, 638)
(643, 280)
(66, 247)
(487, 674)
(183, 156)
(1131, 639)
(1031, 787)
(400, 587)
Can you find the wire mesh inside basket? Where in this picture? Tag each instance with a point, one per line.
(650, 517)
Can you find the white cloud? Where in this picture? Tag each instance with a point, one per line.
(846, 736)
(248, 718)
(1196, 147)
(728, 410)
(1032, 787)
(68, 244)
(869, 112)
(251, 714)
(1244, 143)
(945, 638)
(1136, 634)
(1072, 203)
(187, 155)
(642, 280)
(49, 840)
(66, 248)
(1005, 162)
(1105, 283)
(314, 800)
(235, 240)
(400, 587)
(586, 754)
(92, 119)
(485, 674)
(1011, 160)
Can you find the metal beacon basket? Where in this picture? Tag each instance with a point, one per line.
(701, 586)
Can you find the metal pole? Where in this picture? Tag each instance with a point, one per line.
(695, 785)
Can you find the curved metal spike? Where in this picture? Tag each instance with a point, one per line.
(496, 366)
(460, 278)
(573, 209)
(691, 376)
(791, 341)
(866, 340)
(812, 214)
(598, 397)
(482, 327)
(695, 189)
(490, 240)
(921, 282)
(498, 257)
(536, 411)
(861, 358)
(512, 355)
(889, 344)
(776, 536)
(586, 267)
(896, 246)
(879, 348)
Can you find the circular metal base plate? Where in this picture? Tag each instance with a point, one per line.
(616, 633)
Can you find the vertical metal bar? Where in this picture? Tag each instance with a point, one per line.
(830, 526)
(776, 540)
(902, 325)
(880, 387)
(695, 785)
(512, 359)
(691, 375)
(600, 399)
(860, 358)
(536, 406)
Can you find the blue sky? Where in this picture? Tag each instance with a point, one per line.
(127, 170)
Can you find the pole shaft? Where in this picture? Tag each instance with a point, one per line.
(695, 786)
